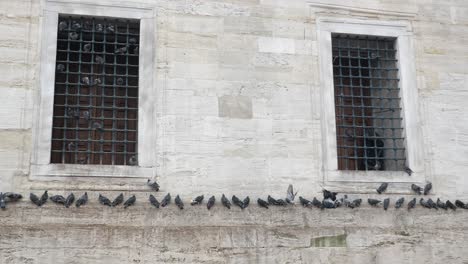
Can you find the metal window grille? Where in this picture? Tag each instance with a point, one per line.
(367, 103)
(95, 116)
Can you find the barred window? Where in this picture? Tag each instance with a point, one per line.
(95, 114)
(369, 128)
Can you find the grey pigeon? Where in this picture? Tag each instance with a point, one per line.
(104, 200)
(130, 201)
(411, 204)
(76, 26)
(328, 203)
(132, 41)
(373, 202)
(210, 202)
(245, 202)
(345, 201)
(329, 195)
(118, 200)
(12, 197)
(386, 203)
(97, 126)
(432, 204)
(424, 203)
(153, 184)
(35, 199)
(62, 25)
(225, 201)
(87, 47)
(132, 161)
(58, 199)
(99, 28)
(237, 202)
(82, 200)
(60, 67)
(441, 204)
(399, 202)
(119, 81)
(427, 188)
(70, 199)
(408, 170)
(290, 194)
(382, 188)
(166, 200)
(44, 198)
(271, 200)
(121, 50)
(281, 202)
(197, 200)
(73, 35)
(99, 60)
(2, 201)
(316, 203)
(110, 29)
(153, 201)
(356, 202)
(450, 205)
(263, 203)
(460, 204)
(416, 188)
(304, 202)
(179, 202)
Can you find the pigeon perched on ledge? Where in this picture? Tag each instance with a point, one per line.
(246, 202)
(316, 203)
(225, 201)
(82, 200)
(130, 201)
(427, 188)
(70, 199)
(411, 204)
(399, 202)
(304, 202)
(58, 199)
(179, 202)
(416, 188)
(197, 200)
(373, 202)
(329, 195)
(153, 184)
(450, 205)
(153, 201)
(166, 200)
(382, 188)
(118, 200)
(386, 203)
(263, 203)
(104, 200)
(210, 202)
(237, 201)
(290, 195)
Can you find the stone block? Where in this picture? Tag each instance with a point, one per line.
(235, 107)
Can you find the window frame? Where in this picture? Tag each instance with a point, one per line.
(412, 132)
(42, 127)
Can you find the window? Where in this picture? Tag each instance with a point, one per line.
(369, 101)
(95, 112)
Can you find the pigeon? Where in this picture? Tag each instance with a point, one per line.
(97, 81)
(432, 204)
(99, 60)
(179, 202)
(460, 204)
(411, 204)
(35, 199)
(328, 203)
(246, 202)
(104, 200)
(132, 161)
(408, 170)
(356, 202)
(399, 202)
(210, 202)
(237, 202)
(281, 202)
(132, 41)
(97, 126)
(130, 201)
(416, 188)
(70, 199)
(271, 200)
(263, 203)
(76, 26)
(87, 47)
(119, 81)
(304, 202)
(58, 199)
(60, 68)
(44, 198)
(290, 194)
(99, 28)
(316, 203)
(427, 188)
(85, 80)
(386, 203)
(121, 50)
(86, 115)
(62, 25)
(382, 188)
(153, 184)
(135, 51)
(373, 202)
(441, 204)
(344, 200)
(2, 201)
(82, 200)
(153, 201)
(110, 29)
(424, 203)
(329, 195)
(225, 201)
(450, 205)
(12, 197)
(73, 35)
(166, 200)
(118, 200)
(197, 200)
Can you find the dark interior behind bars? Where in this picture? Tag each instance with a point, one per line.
(367, 103)
(95, 116)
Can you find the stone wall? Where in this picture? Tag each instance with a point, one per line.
(238, 112)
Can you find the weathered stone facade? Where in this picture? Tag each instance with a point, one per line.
(237, 110)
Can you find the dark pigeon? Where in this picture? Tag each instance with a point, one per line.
(104, 200)
(133, 161)
(35, 199)
(304, 202)
(281, 202)
(329, 195)
(290, 194)
(70, 199)
(441, 204)
(197, 200)
(62, 25)
(411, 204)
(373, 202)
(166, 200)
(246, 202)
(73, 35)
(179, 202)
(263, 203)
(153, 184)
(225, 201)
(450, 205)
(382, 188)
(416, 188)
(44, 198)
(130, 201)
(432, 204)
(58, 199)
(427, 188)
(237, 202)
(424, 203)
(408, 170)
(271, 200)
(356, 202)
(460, 204)
(87, 47)
(210, 202)
(12, 197)
(316, 203)
(82, 200)
(386, 203)
(118, 200)
(153, 201)
(399, 202)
